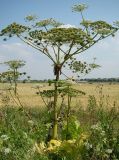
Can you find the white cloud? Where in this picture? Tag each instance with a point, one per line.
(37, 65)
(67, 26)
(14, 48)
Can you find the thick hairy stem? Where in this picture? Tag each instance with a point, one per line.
(55, 116)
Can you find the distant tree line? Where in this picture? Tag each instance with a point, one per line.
(81, 80)
(99, 80)
(78, 80)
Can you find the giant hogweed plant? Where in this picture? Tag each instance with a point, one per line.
(60, 43)
(12, 75)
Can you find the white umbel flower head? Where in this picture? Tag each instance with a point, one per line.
(109, 151)
(4, 137)
(7, 151)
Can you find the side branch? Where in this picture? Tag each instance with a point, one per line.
(34, 46)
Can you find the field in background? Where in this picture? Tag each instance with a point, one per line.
(29, 98)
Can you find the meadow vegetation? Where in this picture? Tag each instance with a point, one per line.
(59, 120)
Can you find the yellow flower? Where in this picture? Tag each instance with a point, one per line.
(50, 148)
(71, 141)
(54, 143)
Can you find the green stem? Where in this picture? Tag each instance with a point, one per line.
(68, 114)
(55, 116)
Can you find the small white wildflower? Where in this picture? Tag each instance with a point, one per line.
(30, 122)
(104, 140)
(7, 151)
(4, 137)
(96, 127)
(109, 151)
(88, 145)
(103, 133)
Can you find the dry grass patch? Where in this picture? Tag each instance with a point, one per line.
(29, 98)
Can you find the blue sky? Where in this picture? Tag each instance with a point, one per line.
(37, 65)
